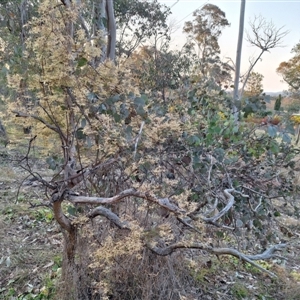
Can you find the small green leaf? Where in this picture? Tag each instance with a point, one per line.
(83, 122)
(272, 131)
(277, 214)
(194, 140)
(235, 129)
(257, 223)
(80, 135)
(220, 234)
(117, 118)
(71, 210)
(139, 102)
(239, 223)
(140, 111)
(82, 61)
(274, 148)
(51, 162)
(124, 111)
(286, 138)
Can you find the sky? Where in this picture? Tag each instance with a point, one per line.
(282, 13)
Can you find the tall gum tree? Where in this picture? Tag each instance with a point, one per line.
(203, 33)
(137, 22)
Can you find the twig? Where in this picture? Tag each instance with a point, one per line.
(213, 208)
(210, 169)
(24, 115)
(137, 139)
(259, 204)
(183, 221)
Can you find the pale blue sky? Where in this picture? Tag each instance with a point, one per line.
(282, 13)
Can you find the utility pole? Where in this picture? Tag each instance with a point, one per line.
(236, 97)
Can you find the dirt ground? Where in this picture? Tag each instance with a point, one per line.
(30, 240)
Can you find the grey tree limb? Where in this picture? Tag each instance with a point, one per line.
(108, 214)
(228, 206)
(163, 202)
(269, 253)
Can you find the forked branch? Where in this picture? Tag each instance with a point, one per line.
(265, 36)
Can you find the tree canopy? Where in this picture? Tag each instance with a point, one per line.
(290, 70)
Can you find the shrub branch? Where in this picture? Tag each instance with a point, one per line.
(267, 254)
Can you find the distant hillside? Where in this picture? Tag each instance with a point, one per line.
(275, 94)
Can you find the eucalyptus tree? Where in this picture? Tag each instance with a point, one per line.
(290, 70)
(205, 29)
(202, 37)
(254, 86)
(137, 22)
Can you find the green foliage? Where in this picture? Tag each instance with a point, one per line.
(43, 215)
(139, 20)
(277, 104)
(159, 69)
(239, 291)
(254, 85)
(206, 28)
(294, 106)
(255, 105)
(203, 49)
(290, 70)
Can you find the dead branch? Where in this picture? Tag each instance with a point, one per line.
(108, 214)
(265, 36)
(225, 209)
(137, 139)
(24, 115)
(84, 173)
(269, 253)
(185, 222)
(163, 202)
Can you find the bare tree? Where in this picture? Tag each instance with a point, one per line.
(265, 36)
